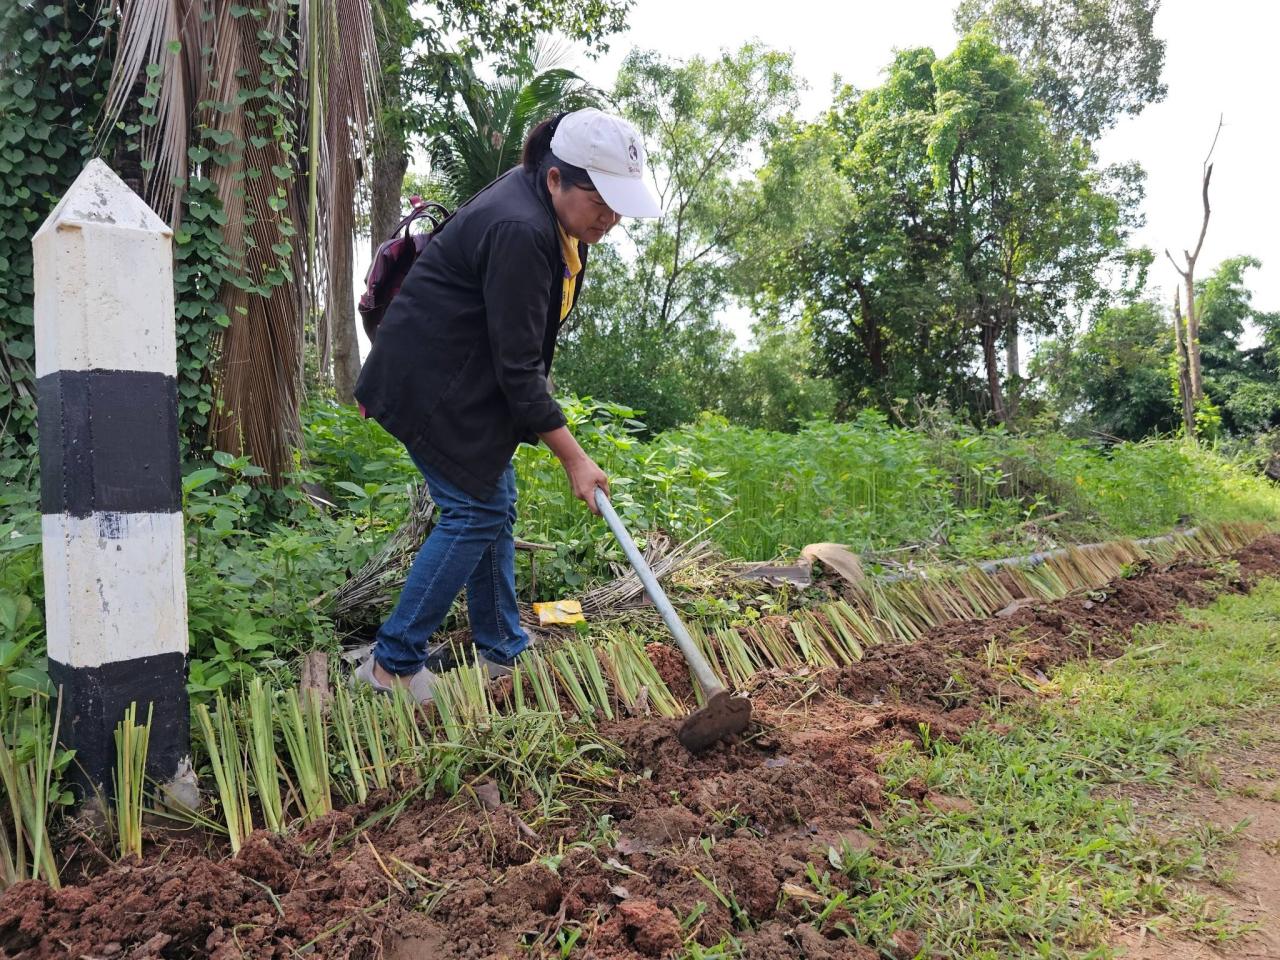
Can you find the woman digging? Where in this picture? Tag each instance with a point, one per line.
(458, 374)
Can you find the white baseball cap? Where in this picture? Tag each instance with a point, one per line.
(609, 149)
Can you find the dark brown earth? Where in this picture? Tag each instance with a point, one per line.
(449, 879)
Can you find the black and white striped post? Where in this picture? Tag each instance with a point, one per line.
(106, 368)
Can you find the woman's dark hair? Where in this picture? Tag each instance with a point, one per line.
(538, 158)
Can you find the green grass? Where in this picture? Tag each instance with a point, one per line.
(1051, 852)
(962, 493)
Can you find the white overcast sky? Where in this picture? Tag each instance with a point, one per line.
(1220, 59)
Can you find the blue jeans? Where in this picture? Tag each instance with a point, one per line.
(472, 544)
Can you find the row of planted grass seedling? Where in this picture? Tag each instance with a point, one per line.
(582, 681)
(901, 610)
(32, 764)
(283, 758)
(280, 758)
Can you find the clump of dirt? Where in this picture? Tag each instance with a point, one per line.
(269, 858)
(671, 668)
(752, 874)
(653, 930)
(450, 879)
(532, 884)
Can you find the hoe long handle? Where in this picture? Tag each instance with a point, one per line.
(701, 669)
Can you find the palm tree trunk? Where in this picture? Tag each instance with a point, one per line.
(390, 163)
(346, 348)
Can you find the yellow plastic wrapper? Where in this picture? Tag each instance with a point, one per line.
(558, 612)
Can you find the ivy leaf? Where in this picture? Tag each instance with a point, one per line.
(283, 173)
(198, 154)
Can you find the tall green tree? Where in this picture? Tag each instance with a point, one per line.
(647, 331)
(1030, 222)
(1091, 62)
(968, 221)
(702, 121)
(1243, 382)
(1114, 377)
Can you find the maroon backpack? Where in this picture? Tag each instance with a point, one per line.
(393, 259)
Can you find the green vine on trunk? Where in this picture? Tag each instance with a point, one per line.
(202, 264)
(207, 271)
(53, 71)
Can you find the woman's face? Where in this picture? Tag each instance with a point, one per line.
(582, 213)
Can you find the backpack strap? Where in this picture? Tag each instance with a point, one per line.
(437, 213)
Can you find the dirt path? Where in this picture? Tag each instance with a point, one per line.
(686, 851)
(1241, 792)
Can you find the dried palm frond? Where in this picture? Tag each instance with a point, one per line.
(338, 46)
(380, 579)
(626, 592)
(207, 58)
(148, 31)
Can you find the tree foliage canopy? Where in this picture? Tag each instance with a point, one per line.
(967, 219)
(1090, 61)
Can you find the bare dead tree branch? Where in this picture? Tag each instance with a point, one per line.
(1188, 275)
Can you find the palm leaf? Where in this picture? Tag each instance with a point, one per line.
(484, 134)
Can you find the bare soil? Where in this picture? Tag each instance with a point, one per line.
(1239, 791)
(744, 817)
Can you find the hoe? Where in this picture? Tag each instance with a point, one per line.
(723, 715)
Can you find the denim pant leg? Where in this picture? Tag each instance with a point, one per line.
(465, 528)
(491, 590)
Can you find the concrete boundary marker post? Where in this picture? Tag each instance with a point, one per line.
(111, 496)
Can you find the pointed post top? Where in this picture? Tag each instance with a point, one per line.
(103, 271)
(98, 196)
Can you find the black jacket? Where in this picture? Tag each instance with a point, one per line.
(458, 370)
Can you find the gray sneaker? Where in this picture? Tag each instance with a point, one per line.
(421, 685)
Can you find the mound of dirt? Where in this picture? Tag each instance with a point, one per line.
(684, 835)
